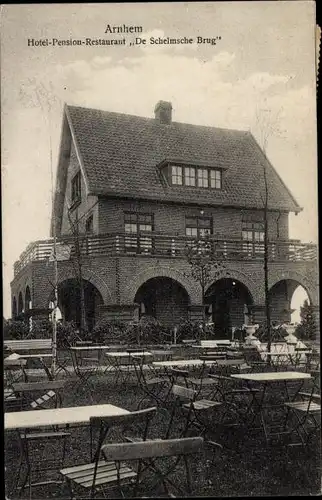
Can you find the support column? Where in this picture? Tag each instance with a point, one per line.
(120, 312)
(196, 312)
(258, 313)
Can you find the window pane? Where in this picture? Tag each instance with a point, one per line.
(191, 222)
(191, 231)
(204, 232)
(202, 177)
(215, 179)
(130, 228)
(190, 176)
(130, 217)
(176, 175)
(145, 227)
(204, 222)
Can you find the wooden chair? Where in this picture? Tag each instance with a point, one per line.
(194, 411)
(146, 455)
(48, 392)
(152, 385)
(97, 473)
(253, 359)
(304, 416)
(41, 454)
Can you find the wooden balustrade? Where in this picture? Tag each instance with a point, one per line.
(161, 245)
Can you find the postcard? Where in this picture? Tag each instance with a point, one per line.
(160, 229)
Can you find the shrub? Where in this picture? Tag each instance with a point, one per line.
(15, 330)
(198, 330)
(106, 332)
(67, 334)
(147, 330)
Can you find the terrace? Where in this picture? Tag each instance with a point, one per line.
(243, 465)
(162, 245)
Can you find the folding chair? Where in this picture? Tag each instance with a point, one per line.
(201, 382)
(147, 454)
(149, 382)
(253, 359)
(98, 473)
(237, 401)
(41, 454)
(85, 368)
(49, 394)
(304, 416)
(195, 411)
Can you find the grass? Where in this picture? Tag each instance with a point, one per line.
(244, 467)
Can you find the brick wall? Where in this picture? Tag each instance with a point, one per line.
(170, 219)
(88, 204)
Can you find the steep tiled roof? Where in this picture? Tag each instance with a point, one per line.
(120, 154)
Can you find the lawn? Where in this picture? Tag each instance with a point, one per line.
(244, 467)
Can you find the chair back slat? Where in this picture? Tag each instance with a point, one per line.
(152, 449)
(184, 392)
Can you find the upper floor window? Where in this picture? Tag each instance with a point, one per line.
(76, 188)
(196, 176)
(89, 226)
(135, 224)
(176, 175)
(190, 176)
(203, 177)
(253, 236)
(215, 179)
(198, 227)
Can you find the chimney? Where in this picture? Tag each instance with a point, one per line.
(163, 112)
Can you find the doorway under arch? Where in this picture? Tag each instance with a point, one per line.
(228, 304)
(69, 302)
(164, 299)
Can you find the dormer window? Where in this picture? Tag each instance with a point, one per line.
(176, 175)
(215, 179)
(76, 188)
(203, 177)
(190, 176)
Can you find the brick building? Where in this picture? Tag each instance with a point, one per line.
(140, 189)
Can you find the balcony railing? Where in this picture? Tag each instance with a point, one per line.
(160, 245)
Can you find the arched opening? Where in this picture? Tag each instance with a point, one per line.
(20, 303)
(14, 308)
(298, 299)
(164, 299)
(69, 300)
(286, 297)
(28, 304)
(228, 304)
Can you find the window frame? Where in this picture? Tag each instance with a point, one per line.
(139, 241)
(253, 245)
(76, 189)
(89, 219)
(198, 226)
(186, 173)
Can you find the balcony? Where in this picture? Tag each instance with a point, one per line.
(160, 245)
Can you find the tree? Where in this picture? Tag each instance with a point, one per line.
(307, 328)
(267, 126)
(205, 267)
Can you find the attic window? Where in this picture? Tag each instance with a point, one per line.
(176, 175)
(203, 177)
(76, 188)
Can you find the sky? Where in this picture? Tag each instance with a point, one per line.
(259, 75)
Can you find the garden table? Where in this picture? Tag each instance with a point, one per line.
(183, 362)
(59, 416)
(267, 379)
(117, 361)
(79, 350)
